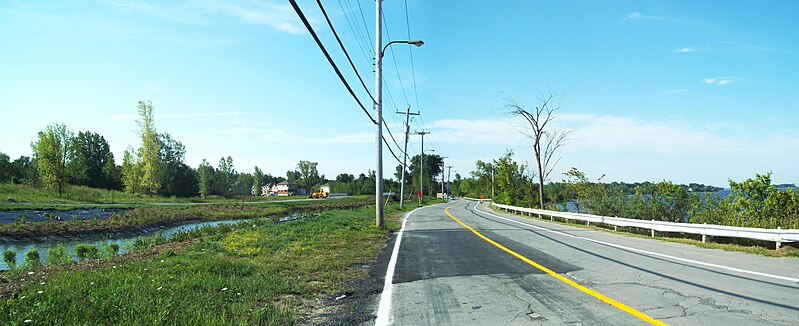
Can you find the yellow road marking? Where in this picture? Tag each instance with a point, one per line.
(590, 292)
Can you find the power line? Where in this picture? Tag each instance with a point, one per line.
(410, 52)
(364, 20)
(329, 59)
(356, 35)
(392, 136)
(391, 151)
(394, 58)
(322, 8)
(435, 144)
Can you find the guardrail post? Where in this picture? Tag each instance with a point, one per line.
(704, 237)
(616, 228)
(587, 223)
(779, 243)
(653, 230)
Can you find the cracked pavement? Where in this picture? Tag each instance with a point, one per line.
(445, 275)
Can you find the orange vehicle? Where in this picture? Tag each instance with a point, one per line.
(319, 194)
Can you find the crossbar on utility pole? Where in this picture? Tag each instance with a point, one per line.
(407, 114)
(421, 167)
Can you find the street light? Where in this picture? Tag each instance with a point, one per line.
(418, 43)
(380, 51)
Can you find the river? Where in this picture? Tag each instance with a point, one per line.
(41, 243)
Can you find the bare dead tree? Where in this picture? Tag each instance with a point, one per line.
(545, 141)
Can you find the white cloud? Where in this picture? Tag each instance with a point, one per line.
(676, 21)
(640, 16)
(280, 17)
(354, 138)
(130, 117)
(632, 149)
(685, 50)
(721, 81)
(675, 92)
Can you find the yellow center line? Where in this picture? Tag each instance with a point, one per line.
(590, 292)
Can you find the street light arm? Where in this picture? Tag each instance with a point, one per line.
(418, 43)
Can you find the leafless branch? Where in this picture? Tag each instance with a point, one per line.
(545, 142)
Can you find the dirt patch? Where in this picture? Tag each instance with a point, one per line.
(9, 284)
(357, 305)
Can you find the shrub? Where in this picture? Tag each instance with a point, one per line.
(84, 251)
(32, 259)
(110, 250)
(10, 257)
(147, 242)
(59, 255)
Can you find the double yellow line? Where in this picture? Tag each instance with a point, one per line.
(590, 292)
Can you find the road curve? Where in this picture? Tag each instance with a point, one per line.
(444, 273)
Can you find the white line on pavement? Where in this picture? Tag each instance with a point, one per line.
(690, 261)
(384, 307)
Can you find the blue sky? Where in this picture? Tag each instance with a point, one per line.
(653, 90)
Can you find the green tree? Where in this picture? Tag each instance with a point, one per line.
(130, 171)
(243, 184)
(510, 180)
(52, 154)
(152, 169)
(25, 171)
(178, 179)
(257, 181)
(90, 154)
(112, 176)
(432, 167)
(309, 175)
(293, 176)
(6, 168)
(225, 177)
(206, 176)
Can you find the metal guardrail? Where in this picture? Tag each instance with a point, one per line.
(778, 235)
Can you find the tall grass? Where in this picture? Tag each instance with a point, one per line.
(16, 193)
(263, 274)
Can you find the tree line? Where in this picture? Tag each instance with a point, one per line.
(60, 157)
(754, 202)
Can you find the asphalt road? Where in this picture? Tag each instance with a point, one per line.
(444, 274)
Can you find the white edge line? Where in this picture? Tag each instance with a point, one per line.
(690, 261)
(384, 307)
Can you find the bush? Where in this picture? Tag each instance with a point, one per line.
(147, 242)
(59, 255)
(110, 250)
(10, 257)
(84, 251)
(32, 259)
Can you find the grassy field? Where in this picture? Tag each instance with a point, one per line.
(265, 273)
(27, 197)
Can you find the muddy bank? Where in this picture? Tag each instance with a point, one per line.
(29, 215)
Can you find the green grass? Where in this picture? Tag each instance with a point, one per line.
(270, 274)
(146, 216)
(751, 247)
(13, 197)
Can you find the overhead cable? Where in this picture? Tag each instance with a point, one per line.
(329, 59)
(319, 2)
